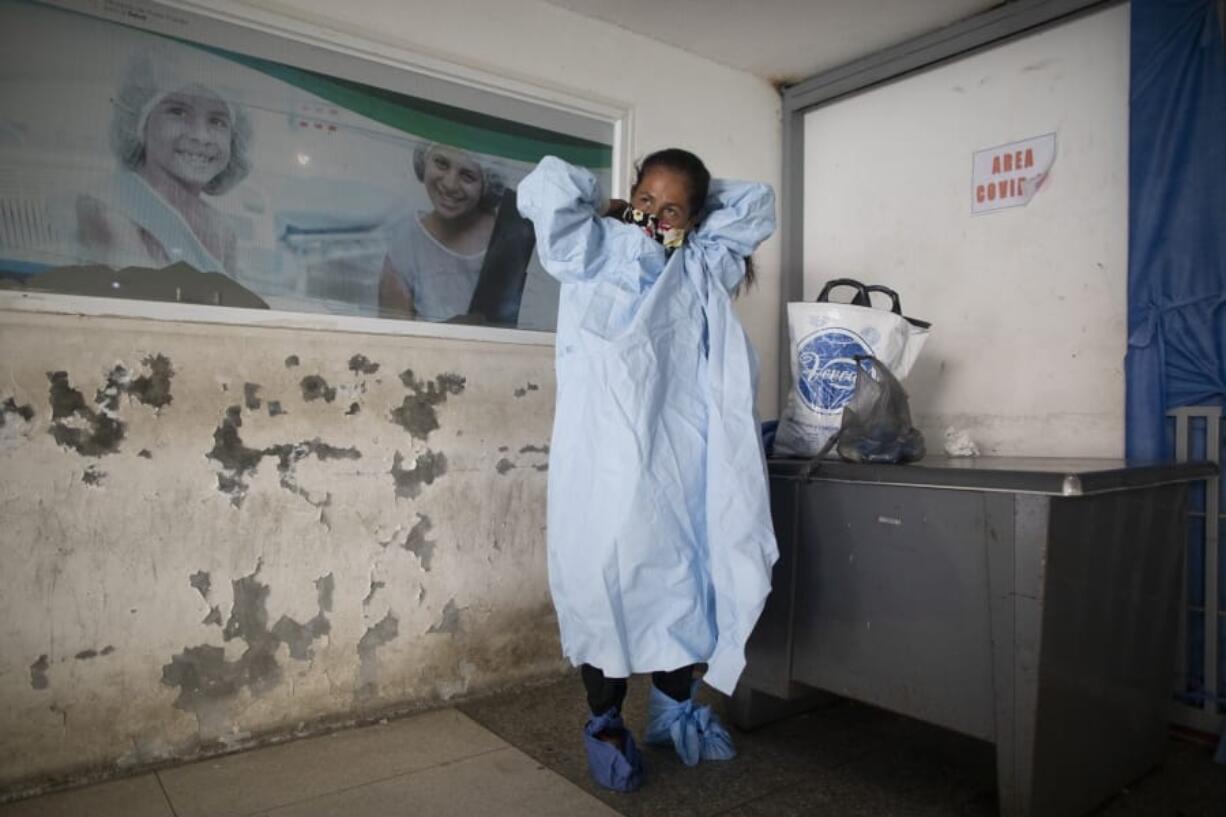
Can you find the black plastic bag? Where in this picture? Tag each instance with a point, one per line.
(877, 420)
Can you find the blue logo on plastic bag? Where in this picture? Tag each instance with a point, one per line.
(828, 368)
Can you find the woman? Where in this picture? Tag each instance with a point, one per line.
(660, 537)
(434, 260)
(177, 140)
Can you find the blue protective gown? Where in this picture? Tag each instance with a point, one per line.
(660, 536)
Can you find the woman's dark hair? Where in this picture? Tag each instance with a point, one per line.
(682, 162)
(699, 178)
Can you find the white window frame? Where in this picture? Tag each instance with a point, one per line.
(273, 20)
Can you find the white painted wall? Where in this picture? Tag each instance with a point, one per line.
(785, 40)
(96, 594)
(1028, 304)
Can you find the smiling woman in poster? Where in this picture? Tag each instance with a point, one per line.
(177, 140)
(434, 259)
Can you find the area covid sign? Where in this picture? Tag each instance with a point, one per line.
(1009, 175)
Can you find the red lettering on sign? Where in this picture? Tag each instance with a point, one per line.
(1010, 181)
(1009, 162)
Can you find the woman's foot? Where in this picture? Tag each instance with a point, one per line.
(613, 759)
(694, 731)
(615, 739)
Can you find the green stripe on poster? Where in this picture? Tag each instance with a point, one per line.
(433, 121)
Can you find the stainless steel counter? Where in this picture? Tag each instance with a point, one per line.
(1029, 603)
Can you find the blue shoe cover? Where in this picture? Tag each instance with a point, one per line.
(619, 771)
(695, 731)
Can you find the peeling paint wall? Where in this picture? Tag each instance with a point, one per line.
(217, 533)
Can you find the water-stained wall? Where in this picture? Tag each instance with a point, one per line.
(215, 533)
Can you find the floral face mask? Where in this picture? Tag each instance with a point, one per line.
(670, 237)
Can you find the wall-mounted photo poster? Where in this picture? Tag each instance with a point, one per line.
(136, 163)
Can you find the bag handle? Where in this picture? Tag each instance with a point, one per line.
(861, 298)
(895, 303)
(863, 295)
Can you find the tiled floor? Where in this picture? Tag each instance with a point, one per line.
(846, 760)
(520, 755)
(440, 763)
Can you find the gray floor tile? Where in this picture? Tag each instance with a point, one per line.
(130, 797)
(831, 799)
(547, 722)
(521, 754)
(932, 774)
(502, 783)
(847, 760)
(251, 782)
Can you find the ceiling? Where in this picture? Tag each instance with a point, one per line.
(783, 41)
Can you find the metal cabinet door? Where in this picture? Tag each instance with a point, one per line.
(892, 601)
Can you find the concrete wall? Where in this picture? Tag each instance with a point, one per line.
(1028, 304)
(216, 533)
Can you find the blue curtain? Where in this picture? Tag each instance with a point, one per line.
(1177, 216)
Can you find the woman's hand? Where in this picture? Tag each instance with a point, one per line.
(616, 208)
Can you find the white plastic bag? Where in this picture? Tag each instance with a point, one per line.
(825, 338)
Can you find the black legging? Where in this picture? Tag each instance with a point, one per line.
(604, 693)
